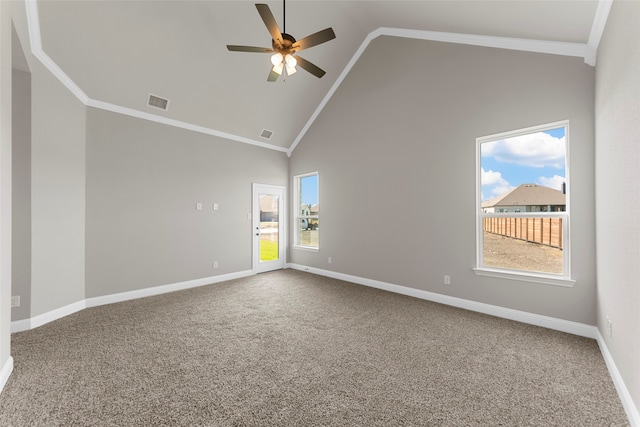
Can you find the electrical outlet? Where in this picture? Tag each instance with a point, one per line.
(329, 260)
(198, 206)
(215, 264)
(447, 280)
(609, 327)
(15, 301)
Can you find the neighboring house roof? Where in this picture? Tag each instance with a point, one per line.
(528, 195)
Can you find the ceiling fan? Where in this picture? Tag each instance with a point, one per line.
(284, 46)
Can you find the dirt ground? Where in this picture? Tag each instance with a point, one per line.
(507, 252)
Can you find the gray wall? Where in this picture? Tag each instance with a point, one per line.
(57, 194)
(395, 150)
(106, 204)
(21, 194)
(618, 189)
(143, 182)
(48, 184)
(5, 186)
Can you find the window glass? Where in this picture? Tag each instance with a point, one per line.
(308, 210)
(269, 227)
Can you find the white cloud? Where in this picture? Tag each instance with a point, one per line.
(494, 179)
(535, 150)
(491, 177)
(554, 182)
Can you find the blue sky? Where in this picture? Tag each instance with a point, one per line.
(309, 189)
(536, 158)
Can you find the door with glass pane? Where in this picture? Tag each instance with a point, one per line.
(268, 228)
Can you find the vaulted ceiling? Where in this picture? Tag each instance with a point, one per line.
(113, 54)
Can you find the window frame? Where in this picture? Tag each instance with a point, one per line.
(480, 269)
(297, 215)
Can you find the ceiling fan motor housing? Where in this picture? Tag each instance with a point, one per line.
(287, 43)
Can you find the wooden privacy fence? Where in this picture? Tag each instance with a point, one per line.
(546, 231)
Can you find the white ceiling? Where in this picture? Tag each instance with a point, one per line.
(114, 53)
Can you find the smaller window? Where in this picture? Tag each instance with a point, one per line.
(307, 207)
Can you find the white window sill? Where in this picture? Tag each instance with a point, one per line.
(306, 248)
(526, 277)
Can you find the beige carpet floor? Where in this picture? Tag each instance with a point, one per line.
(293, 349)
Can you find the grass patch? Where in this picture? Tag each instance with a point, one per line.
(268, 250)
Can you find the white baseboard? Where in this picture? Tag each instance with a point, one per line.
(50, 316)
(20, 325)
(623, 392)
(570, 327)
(164, 289)
(5, 372)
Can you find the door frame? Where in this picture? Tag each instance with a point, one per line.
(257, 265)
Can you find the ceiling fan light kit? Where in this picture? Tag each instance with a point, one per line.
(276, 59)
(290, 70)
(284, 46)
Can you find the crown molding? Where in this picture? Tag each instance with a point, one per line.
(35, 39)
(178, 124)
(597, 29)
(527, 45)
(587, 51)
(332, 90)
(33, 22)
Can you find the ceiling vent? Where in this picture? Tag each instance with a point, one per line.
(266, 134)
(158, 102)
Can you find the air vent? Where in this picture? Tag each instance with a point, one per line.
(266, 134)
(158, 102)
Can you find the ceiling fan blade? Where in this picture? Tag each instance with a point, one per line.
(308, 66)
(236, 48)
(273, 76)
(315, 39)
(270, 22)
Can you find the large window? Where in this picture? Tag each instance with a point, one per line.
(523, 205)
(307, 210)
